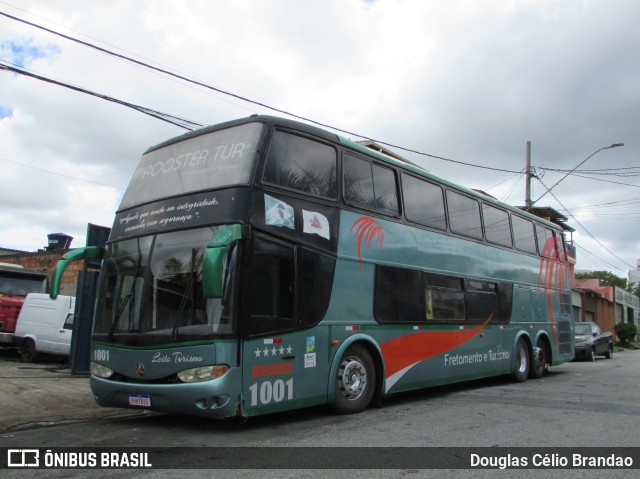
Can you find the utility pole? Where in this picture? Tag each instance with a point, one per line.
(527, 200)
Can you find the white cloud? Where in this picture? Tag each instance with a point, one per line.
(467, 80)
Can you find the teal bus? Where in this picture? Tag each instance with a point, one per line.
(263, 265)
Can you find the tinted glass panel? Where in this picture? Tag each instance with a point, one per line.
(445, 305)
(496, 225)
(317, 280)
(301, 164)
(546, 242)
(121, 286)
(385, 189)
(481, 301)
(151, 290)
(272, 290)
(423, 202)
(441, 281)
(398, 295)
(444, 298)
(464, 215)
(358, 183)
(523, 234)
(213, 160)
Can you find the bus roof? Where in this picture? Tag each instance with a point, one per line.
(395, 160)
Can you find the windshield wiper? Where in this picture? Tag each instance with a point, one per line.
(118, 315)
(188, 294)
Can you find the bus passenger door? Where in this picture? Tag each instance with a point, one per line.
(269, 354)
(284, 372)
(276, 360)
(269, 374)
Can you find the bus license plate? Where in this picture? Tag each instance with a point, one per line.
(143, 400)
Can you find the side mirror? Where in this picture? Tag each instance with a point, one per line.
(88, 252)
(213, 267)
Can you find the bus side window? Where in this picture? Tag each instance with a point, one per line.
(399, 297)
(496, 225)
(301, 164)
(444, 298)
(423, 202)
(370, 186)
(272, 288)
(317, 281)
(523, 234)
(546, 242)
(481, 300)
(464, 215)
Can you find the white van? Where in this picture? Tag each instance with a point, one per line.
(45, 325)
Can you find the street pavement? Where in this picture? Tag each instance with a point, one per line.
(45, 394)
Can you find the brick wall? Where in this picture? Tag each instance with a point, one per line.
(47, 260)
(600, 309)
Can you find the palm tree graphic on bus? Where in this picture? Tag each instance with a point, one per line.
(367, 229)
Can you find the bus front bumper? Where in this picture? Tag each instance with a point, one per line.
(217, 398)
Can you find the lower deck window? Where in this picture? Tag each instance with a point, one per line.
(410, 296)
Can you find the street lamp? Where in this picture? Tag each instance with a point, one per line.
(614, 145)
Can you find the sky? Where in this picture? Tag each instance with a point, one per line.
(465, 80)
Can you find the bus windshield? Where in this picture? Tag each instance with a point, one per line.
(208, 161)
(151, 291)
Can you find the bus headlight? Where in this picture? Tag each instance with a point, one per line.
(205, 373)
(101, 371)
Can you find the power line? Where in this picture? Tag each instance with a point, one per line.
(607, 181)
(586, 230)
(174, 120)
(60, 174)
(245, 99)
(631, 201)
(627, 171)
(584, 250)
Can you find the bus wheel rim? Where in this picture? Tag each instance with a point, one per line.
(522, 359)
(353, 378)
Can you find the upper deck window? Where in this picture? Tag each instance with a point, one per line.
(547, 245)
(370, 186)
(213, 160)
(423, 202)
(496, 225)
(302, 164)
(523, 234)
(464, 215)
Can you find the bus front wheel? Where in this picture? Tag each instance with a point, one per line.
(355, 381)
(521, 372)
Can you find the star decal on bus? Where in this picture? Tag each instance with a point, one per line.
(272, 351)
(367, 229)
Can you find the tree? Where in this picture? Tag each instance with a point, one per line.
(606, 278)
(626, 331)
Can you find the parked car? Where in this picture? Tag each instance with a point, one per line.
(592, 342)
(44, 325)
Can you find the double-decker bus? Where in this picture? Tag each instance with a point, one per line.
(262, 265)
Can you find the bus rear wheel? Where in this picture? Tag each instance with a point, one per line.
(355, 381)
(521, 372)
(540, 363)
